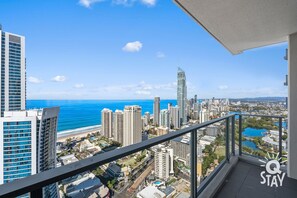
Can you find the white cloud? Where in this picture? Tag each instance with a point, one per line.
(123, 2)
(223, 87)
(142, 92)
(149, 2)
(34, 80)
(88, 3)
(132, 46)
(79, 86)
(160, 55)
(59, 78)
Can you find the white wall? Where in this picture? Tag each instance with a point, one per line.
(292, 100)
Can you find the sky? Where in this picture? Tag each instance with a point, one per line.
(131, 49)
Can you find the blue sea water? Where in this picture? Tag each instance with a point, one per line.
(251, 132)
(83, 113)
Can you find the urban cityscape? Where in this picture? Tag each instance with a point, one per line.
(29, 136)
(39, 135)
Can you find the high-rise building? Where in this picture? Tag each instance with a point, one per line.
(203, 116)
(163, 163)
(181, 148)
(132, 125)
(147, 116)
(106, 122)
(164, 118)
(174, 117)
(13, 72)
(169, 105)
(182, 95)
(196, 109)
(28, 145)
(156, 110)
(195, 99)
(118, 126)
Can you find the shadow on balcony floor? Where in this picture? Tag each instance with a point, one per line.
(244, 181)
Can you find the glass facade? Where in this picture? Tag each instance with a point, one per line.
(17, 156)
(12, 85)
(2, 73)
(47, 154)
(181, 95)
(14, 76)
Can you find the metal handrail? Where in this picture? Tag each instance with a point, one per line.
(35, 182)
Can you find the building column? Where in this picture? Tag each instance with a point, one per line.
(292, 115)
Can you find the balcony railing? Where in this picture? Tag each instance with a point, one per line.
(233, 146)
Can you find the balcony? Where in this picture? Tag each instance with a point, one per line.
(237, 175)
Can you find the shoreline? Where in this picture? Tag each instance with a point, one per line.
(77, 133)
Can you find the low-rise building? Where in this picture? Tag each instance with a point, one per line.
(151, 192)
(162, 130)
(114, 170)
(86, 186)
(87, 145)
(68, 159)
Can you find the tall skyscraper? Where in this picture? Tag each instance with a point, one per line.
(106, 122)
(118, 126)
(28, 145)
(164, 118)
(174, 117)
(196, 110)
(147, 117)
(182, 95)
(13, 72)
(156, 110)
(163, 163)
(132, 125)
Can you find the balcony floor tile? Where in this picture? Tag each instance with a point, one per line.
(244, 181)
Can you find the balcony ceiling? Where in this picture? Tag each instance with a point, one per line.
(244, 24)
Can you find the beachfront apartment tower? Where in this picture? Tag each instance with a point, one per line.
(132, 125)
(174, 117)
(106, 122)
(28, 145)
(164, 118)
(156, 110)
(182, 95)
(118, 126)
(13, 72)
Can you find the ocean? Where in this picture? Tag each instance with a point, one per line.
(75, 114)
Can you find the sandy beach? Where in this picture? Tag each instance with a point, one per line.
(77, 133)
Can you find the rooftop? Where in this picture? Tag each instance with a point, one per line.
(151, 192)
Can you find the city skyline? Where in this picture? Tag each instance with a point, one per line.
(83, 67)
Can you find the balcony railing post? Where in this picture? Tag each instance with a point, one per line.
(233, 135)
(280, 128)
(36, 193)
(227, 139)
(194, 163)
(240, 134)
